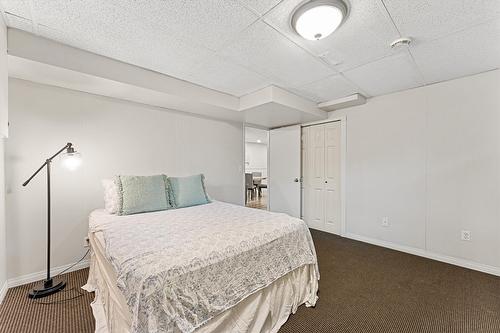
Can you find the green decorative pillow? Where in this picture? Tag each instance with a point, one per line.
(140, 194)
(188, 191)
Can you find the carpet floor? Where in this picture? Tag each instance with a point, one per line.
(363, 288)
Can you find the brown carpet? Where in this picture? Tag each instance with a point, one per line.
(19, 314)
(363, 288)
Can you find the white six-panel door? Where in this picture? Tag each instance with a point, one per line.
(321, 176)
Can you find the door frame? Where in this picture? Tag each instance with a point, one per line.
(343, 157)
(245, 125)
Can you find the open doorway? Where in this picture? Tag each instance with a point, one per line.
(256, 168)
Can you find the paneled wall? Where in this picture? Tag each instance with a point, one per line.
(429, 160)
(114, 137)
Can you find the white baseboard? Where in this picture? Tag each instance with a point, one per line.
(427, 254)
(3, 291)
(33, 277)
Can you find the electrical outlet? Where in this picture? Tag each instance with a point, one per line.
(385, 221)
(86, 242)
(465, 235)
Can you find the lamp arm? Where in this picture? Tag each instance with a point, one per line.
(68, 145)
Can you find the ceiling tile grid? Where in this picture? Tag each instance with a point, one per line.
(92, 17)
(426, 20)
(17, 7)
(216, 73)
(260, 6)
(390, 74)
(210, 23)
(92, 25)
(162, 52)
(264, 49)
(464, 53)
(364, 36)
(241, 46)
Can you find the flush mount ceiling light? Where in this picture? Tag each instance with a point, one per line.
(315, 20)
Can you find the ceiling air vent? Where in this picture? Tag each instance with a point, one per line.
(405, 41)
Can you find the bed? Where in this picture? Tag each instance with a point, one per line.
(216, 267)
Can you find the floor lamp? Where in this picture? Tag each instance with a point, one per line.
(71, 160)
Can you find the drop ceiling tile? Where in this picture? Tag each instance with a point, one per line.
(267, 52)
(464, 53)
(19, 22)
(391, 74)
(17, 7)
(93, 18)
(165, 53)
(137, 44)
(113, 31)
(364, 36)
(119, 29)
(429, 19)
(210, 23)
(220, 74)
(332, 87)
(260, 6)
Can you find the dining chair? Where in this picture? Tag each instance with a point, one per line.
(257, 175)
(249, 186)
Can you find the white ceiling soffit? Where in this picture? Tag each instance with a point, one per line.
(276, 107)
(39, 72)
(29, 46)
(41, 60)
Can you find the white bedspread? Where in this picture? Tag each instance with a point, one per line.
(180, 268)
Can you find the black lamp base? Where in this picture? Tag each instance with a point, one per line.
(46, 288)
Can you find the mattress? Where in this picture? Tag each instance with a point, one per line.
(196, 254)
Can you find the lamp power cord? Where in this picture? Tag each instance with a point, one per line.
(80, 294)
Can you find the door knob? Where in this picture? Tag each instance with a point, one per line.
(296, 180)
(326, 181)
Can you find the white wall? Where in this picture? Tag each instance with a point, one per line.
(3, 239)
(3, 134)
(4, 84)
(114, 137)
(429, 159)
(256, 158)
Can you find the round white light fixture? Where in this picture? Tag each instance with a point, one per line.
(315, 20)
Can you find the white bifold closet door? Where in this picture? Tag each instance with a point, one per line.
(321, 176)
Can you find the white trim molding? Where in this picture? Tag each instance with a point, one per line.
(427, 254)
(3, 291)
(37, 276)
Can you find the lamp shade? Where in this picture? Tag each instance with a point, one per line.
(71, 159)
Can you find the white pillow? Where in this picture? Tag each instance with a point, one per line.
(111, 198)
